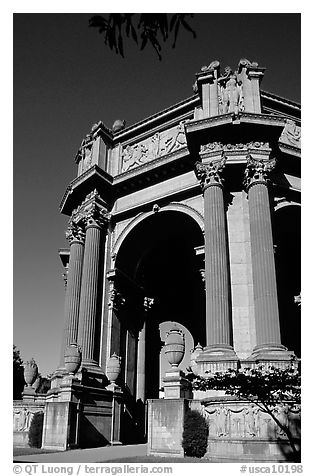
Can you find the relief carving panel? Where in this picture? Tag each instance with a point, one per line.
(161, 143)
(248, 421)
(291, 134)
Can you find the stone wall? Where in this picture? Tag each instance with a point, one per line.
(238, 431)
(23, 413)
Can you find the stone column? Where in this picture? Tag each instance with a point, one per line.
(141, 352)
(140, 382)
(263, 263)
(95, 220)
(76, 236)
(218, 318)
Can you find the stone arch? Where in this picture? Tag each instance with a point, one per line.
(285, 203)
(287, 241)
(173, 206)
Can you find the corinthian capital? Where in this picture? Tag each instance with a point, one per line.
(95, 215)
(75, 232)
(257, 170)
(210, 173)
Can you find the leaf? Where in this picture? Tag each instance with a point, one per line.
(134, 35)
(120, 45)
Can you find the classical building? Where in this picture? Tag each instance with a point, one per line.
(190, 216)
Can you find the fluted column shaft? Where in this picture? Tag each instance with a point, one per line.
(73, 289)
(263, 266)
(216, 268)
(218, 330)
(89, 294)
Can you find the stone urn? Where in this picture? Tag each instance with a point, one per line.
(174, 346)
(72, 358)
(113, 368)
(30, 372)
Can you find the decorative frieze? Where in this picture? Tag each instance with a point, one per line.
(240, 420)
(212, 148)
(161, 143)
(210, 173)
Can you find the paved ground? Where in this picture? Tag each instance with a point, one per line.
(90, 455)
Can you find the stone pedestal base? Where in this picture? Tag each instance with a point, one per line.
(165, 426)
(176, 385)
(29, 394)
(79, 416)
(217, 358)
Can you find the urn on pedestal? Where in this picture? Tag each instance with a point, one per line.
(113, 368)
(174, 346)
(72, 358)
(30, 372)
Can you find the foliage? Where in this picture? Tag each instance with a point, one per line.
(267, 387)
(44, 385)
(36, 430)
(195, 434)
(151, 28)
(18, 374)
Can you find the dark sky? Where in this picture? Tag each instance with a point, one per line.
(65, 80)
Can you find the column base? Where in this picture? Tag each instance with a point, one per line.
(276, 355)
(217, 358)
(92, 375)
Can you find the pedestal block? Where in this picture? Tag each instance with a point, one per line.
(165, 426)
(78, 416)
(176, 385)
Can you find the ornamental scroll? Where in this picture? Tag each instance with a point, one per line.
(159, 144)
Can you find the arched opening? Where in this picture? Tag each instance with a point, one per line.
(158, 260)
(287, 241)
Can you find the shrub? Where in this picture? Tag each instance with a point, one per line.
(36, 430)
(195, 434)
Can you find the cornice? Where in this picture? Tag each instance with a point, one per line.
(289, 149)
(151, 121)
(267, 120)
(280, 100)
(86, 183)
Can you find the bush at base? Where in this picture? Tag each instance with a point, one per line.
(36, 430)
(195, 434)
